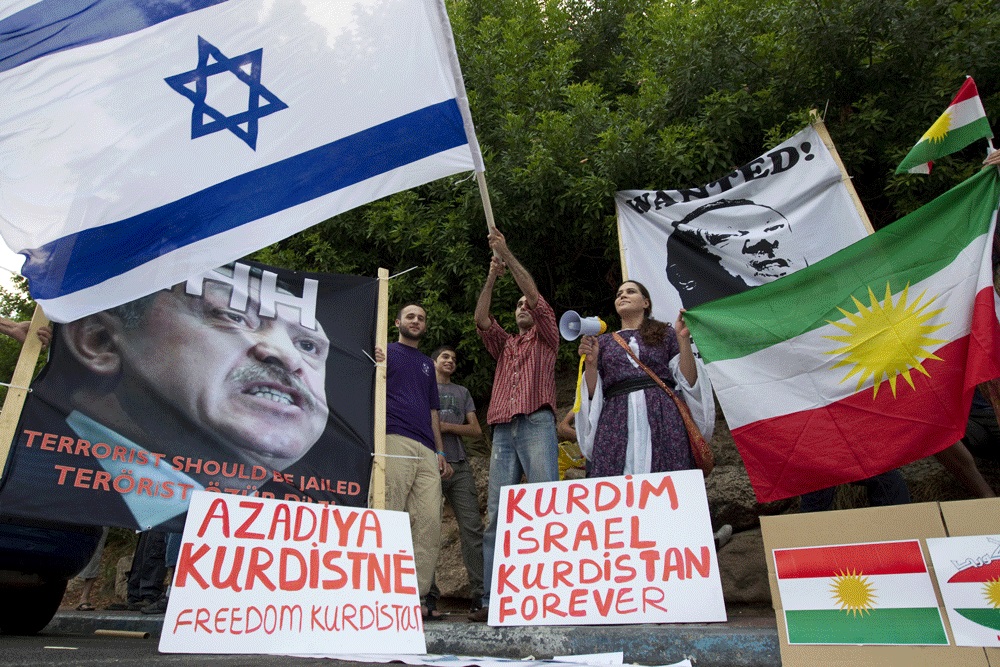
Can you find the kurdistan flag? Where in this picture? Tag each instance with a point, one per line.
(983, 597)
(963, 122)
(866, 360)
(874, 593)
(968, 573)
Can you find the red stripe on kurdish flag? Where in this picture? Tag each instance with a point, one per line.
(967, 91)
(859, 437)
(978, 574)
(869, 559)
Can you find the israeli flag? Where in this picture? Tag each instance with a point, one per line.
(144, 141)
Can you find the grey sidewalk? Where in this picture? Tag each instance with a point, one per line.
(748, 640)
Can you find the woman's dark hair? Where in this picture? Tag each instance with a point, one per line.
(651, 331)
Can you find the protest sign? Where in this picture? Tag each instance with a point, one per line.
(968, 574)
(613, 550)
(266, 576)
(780, 212)
(247, 380)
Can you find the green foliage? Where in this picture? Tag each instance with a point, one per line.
(15, 304)
(575, 99)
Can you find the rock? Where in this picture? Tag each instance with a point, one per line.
(451, 576)
(122, 568)
(743, 569)
(731, 499)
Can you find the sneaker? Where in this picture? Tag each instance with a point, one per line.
(480, 615)
(156, 607)
(722, 536)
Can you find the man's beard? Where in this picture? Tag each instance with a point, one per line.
(405, 333)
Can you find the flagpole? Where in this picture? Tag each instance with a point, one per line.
(485, 194)
(621, 248)
(821, 130)
(10, 414)
(377, 493)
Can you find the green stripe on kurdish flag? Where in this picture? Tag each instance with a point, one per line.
(985, 616)
(957, 139)
(876, 626)
(905, 252)
(963, 122)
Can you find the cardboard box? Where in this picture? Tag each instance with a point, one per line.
(878, 524)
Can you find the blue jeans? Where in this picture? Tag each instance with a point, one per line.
(526, 445)
(889, 488)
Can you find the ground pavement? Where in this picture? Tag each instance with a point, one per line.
(748, 639)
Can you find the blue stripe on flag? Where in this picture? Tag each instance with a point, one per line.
(50, 26)
(94, 255)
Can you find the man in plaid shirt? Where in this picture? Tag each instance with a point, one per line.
(522, 408)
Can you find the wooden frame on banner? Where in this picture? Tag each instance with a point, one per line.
(821, 130)
(377, 493)
(18, 391)
(621, 248)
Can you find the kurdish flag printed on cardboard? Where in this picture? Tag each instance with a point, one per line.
(866, 360)
(874, 593)
(962, 122)
(968, 574)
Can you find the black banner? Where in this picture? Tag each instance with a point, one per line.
(248, 380)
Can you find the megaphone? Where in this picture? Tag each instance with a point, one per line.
(572, 326)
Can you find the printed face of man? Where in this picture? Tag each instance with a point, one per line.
(755, 241)
(255, 383)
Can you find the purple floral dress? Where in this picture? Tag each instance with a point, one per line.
(670, 447)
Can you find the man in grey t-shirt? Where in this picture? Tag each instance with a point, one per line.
(457, 417)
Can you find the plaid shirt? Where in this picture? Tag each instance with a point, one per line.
(525, 380)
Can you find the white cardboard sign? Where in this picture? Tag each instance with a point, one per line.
(268, 576)
(968, 574)
(613, 550)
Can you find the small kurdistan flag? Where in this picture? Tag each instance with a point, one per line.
(866, 360)
(968, 573)
(987, 583)
(874, 593)
(963, 122)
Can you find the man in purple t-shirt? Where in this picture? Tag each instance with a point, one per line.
(416, 461)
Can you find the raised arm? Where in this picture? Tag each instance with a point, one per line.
(521, 276)
(497, 269)
(687, 364)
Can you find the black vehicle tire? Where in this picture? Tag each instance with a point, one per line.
(35, 608)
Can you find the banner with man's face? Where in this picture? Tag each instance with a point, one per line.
(774, 215)
(247, 380)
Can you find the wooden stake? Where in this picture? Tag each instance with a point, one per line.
(377, 494)
(23, 372)
(820, 126)
(621, 247)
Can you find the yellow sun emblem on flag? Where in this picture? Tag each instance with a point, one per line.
(885, 340)
(939, 130)
(852, 592)
(991, 590)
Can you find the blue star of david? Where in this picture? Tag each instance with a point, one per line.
(247, 69)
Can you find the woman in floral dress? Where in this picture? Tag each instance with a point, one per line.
(628, 424)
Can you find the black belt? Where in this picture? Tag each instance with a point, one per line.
(628, 386)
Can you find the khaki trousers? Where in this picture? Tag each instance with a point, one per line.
(413, 485)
